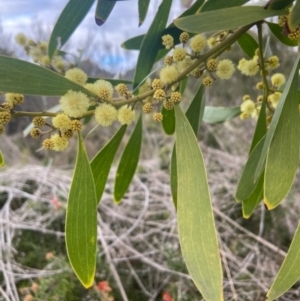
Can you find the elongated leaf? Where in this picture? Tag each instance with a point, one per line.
(22, 77)
(143, 8)
(220, 114)
(81, 220)
(289, 272)
(277, 32)
(294, 17)
(197, 233)
(249, 204)
(281, 117)
(223, 19)
(128, 162)
(194, 115)
(69, 19)
(182, 85)
(103, 11)
(168, 121)
(283, 153)
(248, 44)
(247, 183)
(151, 43)
(136, 42)
(1, 159)
(113, 81)
(218, 4)
(103, 160)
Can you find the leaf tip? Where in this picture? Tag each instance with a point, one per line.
(99, 22)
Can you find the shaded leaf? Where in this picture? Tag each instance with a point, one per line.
(196, 227)
(223, 19)
(279, 4)
(168, 121)
(69, 19)
(289, 272)
(277, 32)
(151, 43)
(143, 8)
(22, 77)
(248, 44)
(81, 220)
(1, 159)
(283, 152)
(103, 160)
(218, 4)
(281, 119)
(128, 162)
(247, 182)
(220, 114)
(182, 85)
(194, 115)
(103, 10)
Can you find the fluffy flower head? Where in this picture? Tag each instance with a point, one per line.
(179, 54)
(225, 69)
(198, 42)
(126, 115)
(76, 75)
(103, 89)
(106, 114)
(14, 98)
(278, 79)
(168, 41)
(74, 104)
(248, 107)
(249, 68)
(168, 74)
(61, 122)
(274, 99)
(59, 143)
(21, 39)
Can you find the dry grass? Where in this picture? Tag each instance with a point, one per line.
(140, 235)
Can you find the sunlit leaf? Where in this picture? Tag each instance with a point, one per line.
(218, 4)
(197, 232)
(248, 44)
(81, 220)
(69, 19)
(277, 32)
(151, 43)
(128, 162)
(294, 16)
(283, 152)
(22, 77)
(1, 159)
(226, 18)
(281, 137)
(194, 115)
(168, 121)
(103, 10)
(103, 160)
(143, 8)
(220, 114)
(247, 183)
(289, 272)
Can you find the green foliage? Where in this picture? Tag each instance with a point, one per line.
(81, 219)
(198, 236)
(128, 162)
(168, 121)
(103, 10)
(143, 8)
(70, 18)
(33, 79)
(248, 44)
(1, 159)
(220, 114)
(277, 32)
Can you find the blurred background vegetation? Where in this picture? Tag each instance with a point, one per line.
(139, 251)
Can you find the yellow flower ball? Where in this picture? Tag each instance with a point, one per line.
(103, 89)
(249, 68)
(14, 98)
(225, 69)
(61, 122)
(274, 99)
(277, 80)
(179, 54)
(21, 39)
(198, 43)
(76, 75)
(168, 41)
(168, 74)
(106, 114)
(74, 104)
(248, 107)
(59, 143)
(126, 115)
